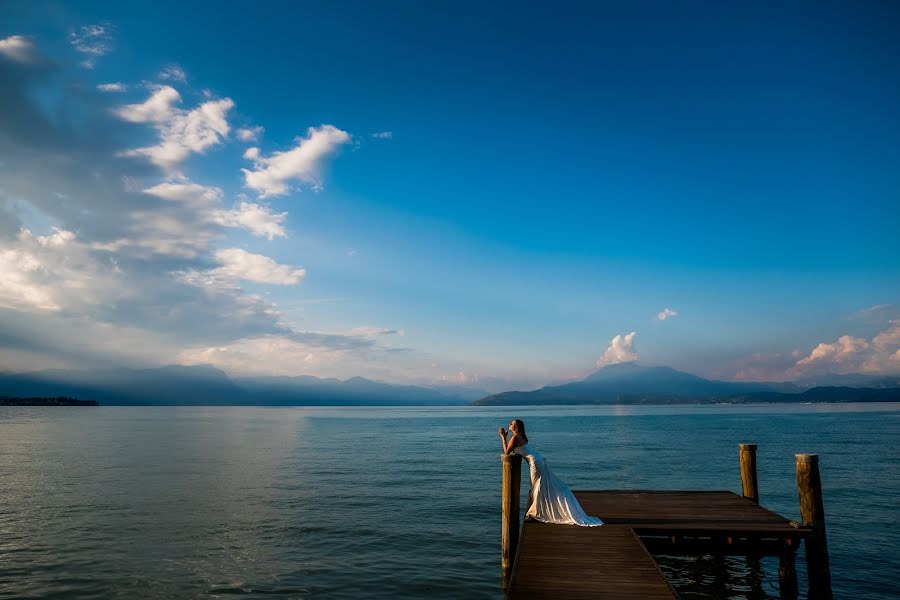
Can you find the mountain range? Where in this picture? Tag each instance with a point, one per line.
(203, 385)
(630, 383)
(626, 383)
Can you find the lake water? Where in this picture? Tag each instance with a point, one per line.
(168, 502)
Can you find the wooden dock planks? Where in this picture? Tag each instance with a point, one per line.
(678, 511)
(570, 562)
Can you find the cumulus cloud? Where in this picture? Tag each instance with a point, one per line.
(258, 219)
(667, 313)
(181, 132)
(54, 272)
(238, 264)
(112, 87)
(849, 354)
(93, 41)
(205, 200)
(846, 350)
(621, 349)
(249, 134)
(889, 338)
(158, 108)
(20, 49)
(272, 175)
(200, 196)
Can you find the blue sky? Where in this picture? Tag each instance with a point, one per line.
(490, 192)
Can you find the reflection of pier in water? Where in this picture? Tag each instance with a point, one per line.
(616, 560)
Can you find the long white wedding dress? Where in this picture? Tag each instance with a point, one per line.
(552, 500)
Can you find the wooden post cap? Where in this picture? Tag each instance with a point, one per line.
(807, 458)
(747, 446)
(510, 457)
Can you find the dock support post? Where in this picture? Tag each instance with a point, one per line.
(812, 511)
(749, 485)
(512, 481)
(787, 571)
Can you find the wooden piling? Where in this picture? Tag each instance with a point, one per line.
(787, 571)
(749, 484)
(812, 511)
(512, 481)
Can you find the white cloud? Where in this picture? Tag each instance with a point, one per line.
(845, 351)
(272, 175)
(383, 135)
(181, 132)
(276, 354)
(850, 354)
(173, 73)
(293, 353)
(123, 245)
(205, 200)
(53, 272)
(238, 264)
(157, 109)
(93, 41)
(889, 338)
(258, 219)
(166, 232)
(112, 87)
(19, 48)
(192, 194)
(666, 313)
(249, 134)
(621, 349)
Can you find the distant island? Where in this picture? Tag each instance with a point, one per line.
(625, 383)
(58, 401)
(630, 383)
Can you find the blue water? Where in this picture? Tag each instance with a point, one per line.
(167, 502)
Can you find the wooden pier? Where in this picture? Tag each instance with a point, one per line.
(616, 560)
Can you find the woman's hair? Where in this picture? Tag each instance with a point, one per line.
(519, 428)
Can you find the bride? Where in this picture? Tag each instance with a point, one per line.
(553, 501)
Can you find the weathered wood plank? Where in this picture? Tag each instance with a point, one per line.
(569, 562)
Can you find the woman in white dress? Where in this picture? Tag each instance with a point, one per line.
(552, 500)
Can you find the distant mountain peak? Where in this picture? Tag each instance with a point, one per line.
(632, 368)
(359, 381)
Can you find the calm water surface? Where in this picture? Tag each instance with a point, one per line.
(397, 503)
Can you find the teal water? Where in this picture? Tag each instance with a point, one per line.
(168, 502)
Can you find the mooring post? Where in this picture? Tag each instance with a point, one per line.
(787, 570)
(512, 481)
(812, 511)
(749, 485)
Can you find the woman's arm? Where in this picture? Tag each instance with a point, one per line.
(502, 433)
(514, 441)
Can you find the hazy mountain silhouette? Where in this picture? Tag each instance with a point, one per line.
(855, 380)
(630, 383)
(206, 385)
(356, 391)
(627, 383)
